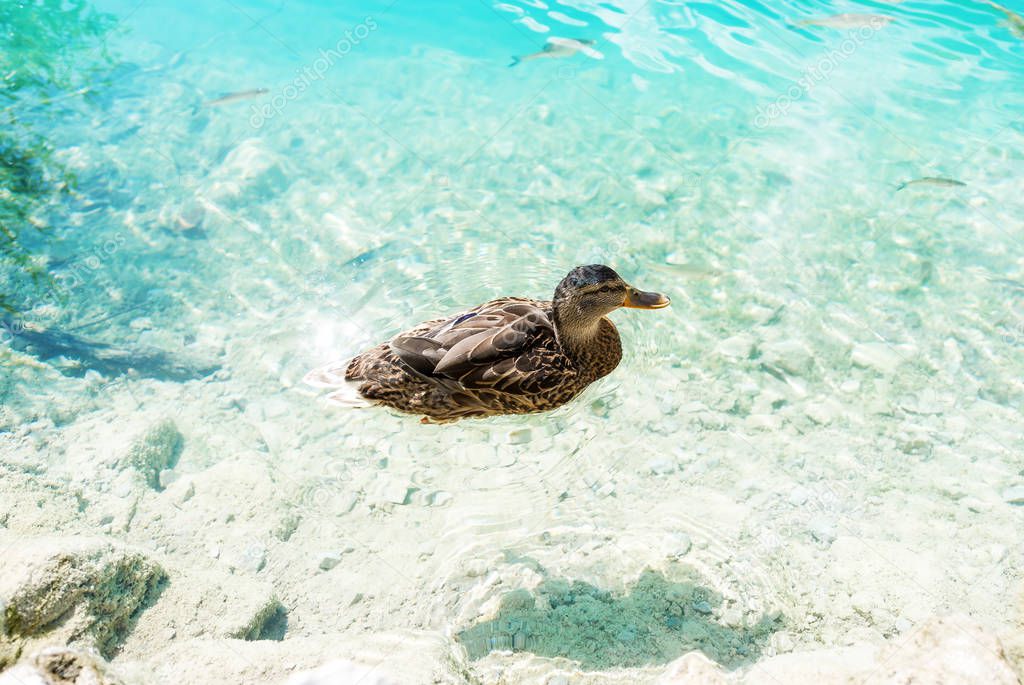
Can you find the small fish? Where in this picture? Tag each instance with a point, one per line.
(931, 181)
(850, 21)
(556, 47)
(368, 255)
(1008, 282)
(175, 61)
(697, 272)
(235, 97)
(1015, 21)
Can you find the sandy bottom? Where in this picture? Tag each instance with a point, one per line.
(818, 445)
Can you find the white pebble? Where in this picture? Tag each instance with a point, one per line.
(823, 411)
(167, 476)
(1014, 494)
(733, 617)
(439, 498)
(792, 356)
(661, 466)
(864, 602)
(737, 347)
(951, 355)
(822, 529)
(393, 490)
(475, 568)
(520, 436)
(783, 642)
(680, 545)
(187, 493)
(253, 559)
(881, 357)
(123, 486)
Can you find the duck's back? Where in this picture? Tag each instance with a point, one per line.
(499, 358)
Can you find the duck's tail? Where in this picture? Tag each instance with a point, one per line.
(349, 396)
(515, 60)
(332, 376)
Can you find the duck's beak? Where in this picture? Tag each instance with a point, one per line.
(638, 299)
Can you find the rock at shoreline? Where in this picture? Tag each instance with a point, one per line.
(823, 666)
(395, 656)
(945, 651)
(341, 671)
(73, 590)
(948, 649)
(693, 668)
(60, 666)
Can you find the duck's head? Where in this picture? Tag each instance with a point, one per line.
(588, 293)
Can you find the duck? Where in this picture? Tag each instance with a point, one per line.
(511, 355)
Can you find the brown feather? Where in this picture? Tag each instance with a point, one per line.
(502, 357)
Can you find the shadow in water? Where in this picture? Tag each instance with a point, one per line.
(656, 621)
(119, 585)
(78, 355)
(275, 627)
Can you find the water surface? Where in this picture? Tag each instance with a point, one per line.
(829, 411)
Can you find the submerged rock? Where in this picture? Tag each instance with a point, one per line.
(389, 490)
(822, 529)
(792, 356)
(155, 451)
(881, 357)
(213, 603)
(328, 560)
(75, 590)
(737, 347)
(661, 466)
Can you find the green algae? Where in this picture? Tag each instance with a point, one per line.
(12, 622)
(656, 621)
(158, 449)
(50, 51)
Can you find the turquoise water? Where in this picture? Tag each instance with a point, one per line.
(829, 410)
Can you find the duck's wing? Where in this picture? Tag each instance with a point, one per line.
(493, 346)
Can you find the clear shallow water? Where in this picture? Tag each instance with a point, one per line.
(830, 407)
